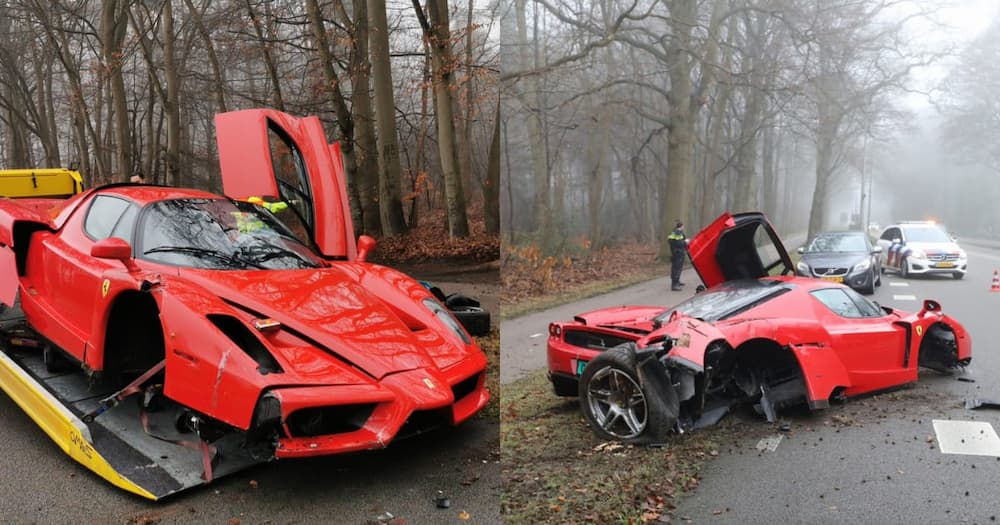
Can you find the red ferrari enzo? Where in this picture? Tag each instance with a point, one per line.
(758, 334)
(249, 326)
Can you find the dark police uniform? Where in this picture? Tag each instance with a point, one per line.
(678, 247)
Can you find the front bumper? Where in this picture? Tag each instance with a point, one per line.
(922, 266)
(402, 404)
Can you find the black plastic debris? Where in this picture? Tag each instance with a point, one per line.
(442, 501)
(965, 379)
(972, 404)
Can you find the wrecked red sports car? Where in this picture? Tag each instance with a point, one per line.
(249, 326)
(758, 334)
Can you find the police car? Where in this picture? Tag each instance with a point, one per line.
(921, 248)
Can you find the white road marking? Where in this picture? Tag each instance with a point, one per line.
(904, 297)
(974, 438)
(897, 283)
(770, 443)
(536, 335)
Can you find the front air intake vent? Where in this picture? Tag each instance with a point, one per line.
(246, 341)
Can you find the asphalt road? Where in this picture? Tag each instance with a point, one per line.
(870, 460)
(40, 484)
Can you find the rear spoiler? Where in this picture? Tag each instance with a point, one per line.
(40, 183)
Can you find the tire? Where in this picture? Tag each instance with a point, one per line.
(475, 320)
(878, 276)
(870, 289)
(609, 383)
(957, 276)
(904, 268)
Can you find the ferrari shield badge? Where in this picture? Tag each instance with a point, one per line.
(920, 330)
(104, 288)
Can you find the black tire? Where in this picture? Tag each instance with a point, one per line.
(475, 320)
(957, 276)
(878, 276)
(870, 289)
(609, 383)
(904, 268)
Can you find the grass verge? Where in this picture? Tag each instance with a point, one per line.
(528, 305)
(555, 470)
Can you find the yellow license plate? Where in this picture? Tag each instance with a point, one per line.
(944, 265)
(834, 279)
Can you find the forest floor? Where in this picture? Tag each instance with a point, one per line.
(531, 281)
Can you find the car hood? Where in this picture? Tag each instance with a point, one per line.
(366, 315)
(934, 247)
(832, 260)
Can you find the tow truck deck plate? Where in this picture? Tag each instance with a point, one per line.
(115, 445)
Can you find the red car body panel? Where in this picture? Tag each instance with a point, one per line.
(245, 156)
(349, 333)
(835, 354)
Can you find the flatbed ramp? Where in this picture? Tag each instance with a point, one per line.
(153, 460)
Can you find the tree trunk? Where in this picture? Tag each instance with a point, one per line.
(539, 154)
(491, 190)
(171, 107)
(442, 64)
(113, 26)
(390, 205)
(265, 50)
(362, 211)
(213, 59)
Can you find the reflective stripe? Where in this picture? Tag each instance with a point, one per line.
(675, 237)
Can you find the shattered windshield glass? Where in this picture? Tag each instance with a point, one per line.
(219, 234)
(727, 300)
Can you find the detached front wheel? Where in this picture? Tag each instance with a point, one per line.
(615, 403)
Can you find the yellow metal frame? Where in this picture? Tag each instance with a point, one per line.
(67, 430)
(52, 182)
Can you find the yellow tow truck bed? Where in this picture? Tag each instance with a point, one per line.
(49, 182)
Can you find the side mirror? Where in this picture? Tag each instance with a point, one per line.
(365, 246)
(112, 248)
(897, 240)
(930, 305)
(802, 249)
(876, 249)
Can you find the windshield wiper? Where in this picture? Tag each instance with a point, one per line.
(273, 252)
(192, 250)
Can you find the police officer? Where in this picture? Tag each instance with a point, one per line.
(678, 247)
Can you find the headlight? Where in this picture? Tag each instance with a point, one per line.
(962, 255)
(803, 268)
(445, 316)
(863, 265)
(919, 254)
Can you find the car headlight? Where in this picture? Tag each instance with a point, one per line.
(962, 255)
(862, 266)
(803, 268)
(445, 316)
(919, 254)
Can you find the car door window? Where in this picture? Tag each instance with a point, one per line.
(890, 234)
(293, 184)
(104, 215)
(838, 302)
